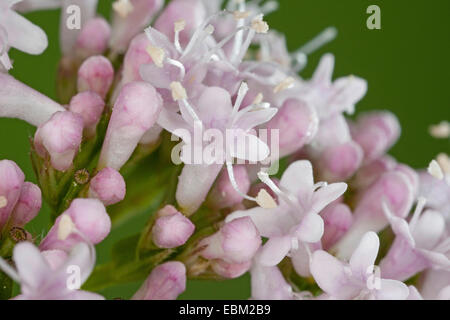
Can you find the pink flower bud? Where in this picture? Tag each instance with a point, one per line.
(135, 57)
(376, 132)
(412, 176)
(22, 102)
(93, 38)
(128, 24)
(96, 74)
(11, 182)
(136, 110)
(191, 11)
(338, 163)
(172, 229)
(338, 219)
(223, 195)
(60, 137)
(90, 106)
(371, 171)
(166, 282)
(297, 123)
(108, 186)
(393, 188)
(236, 242)
(85, 220)
(28, 205)
(230, 270)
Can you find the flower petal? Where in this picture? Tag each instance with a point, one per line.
(31, 266)
(311, 228)
(325, 195)
(365, 254)
(392, 290)
(274, 250)
(298, 179)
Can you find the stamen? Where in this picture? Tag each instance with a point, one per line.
(444, 162)
(285, 84)
(421, 202)
(264, 200)
(3, 202)
(178, 27)
(178, 91)
(123, 7)
(239, 15)
(290, 199)
(239, 35)
(435, 170)
(258, 99)
(157, 54)
(65, 227)
(235, 185)
(441, 130)
(259, 25)
(243, 89)
(179, 65)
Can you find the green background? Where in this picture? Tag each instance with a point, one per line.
(406, 64)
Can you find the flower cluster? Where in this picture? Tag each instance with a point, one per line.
(294, 191)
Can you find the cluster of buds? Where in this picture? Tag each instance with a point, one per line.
(224, 83)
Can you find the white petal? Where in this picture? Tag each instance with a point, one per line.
(274, 250)
(392, 290)
(298, 179)
(365, 254)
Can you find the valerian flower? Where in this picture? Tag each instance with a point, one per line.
(358, 278)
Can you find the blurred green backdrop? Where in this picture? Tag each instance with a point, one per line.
(406, 64)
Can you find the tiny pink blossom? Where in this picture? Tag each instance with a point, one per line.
(108, 186)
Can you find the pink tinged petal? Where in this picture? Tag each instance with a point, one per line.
(172, 230)
(249, 147)
(223, 194)
(429, 229)
(298, 179)
(436, 260)
(192, 11)
(301, 258)
(236, 242)
(55, 258)
(310, 229)
(96, 74)
(371, 171)
(331, 276)
(252, 119)
(60, 137)
(324, 72)
(174, 123)
(166, 282)
(108, 186)
(83, 257)
(297, 123)
(93, 38)
(274, 250)
(444, 294)
(90, 106)
(340, 162)
(400, 227)
(194, 184)
(125, 28)
(11, 184)
(214, 106)
(432, 282)
(90, 221)
(33, 270)
(411, 175)
(27, 206)
(20, 101)
(414, 294)
(24, 35)
(337, 219)
(327, 194)
(347, 92)
(230, 270)
(136, 110)
(268, 283)
(365, 254)
(392, 290)
(68, 36)
(136, 57)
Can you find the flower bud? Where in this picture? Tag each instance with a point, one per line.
(171, 229)
(11, 182)
(60, 137)
(166, 282)
(136, 110)
(191, 11)
(28, 205)
(93, 38)
(108, 186)
(135, 57)
(340, 162)
(412, 176)
(22, 102)
(223, 195)
(55, 258)
(96, 74)
(376, 132)
(337, 218)
(371, 171)
(230, 270)
(90, 106)
(236, 242)
(127, 24)
(85, 220)
(297, 123)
